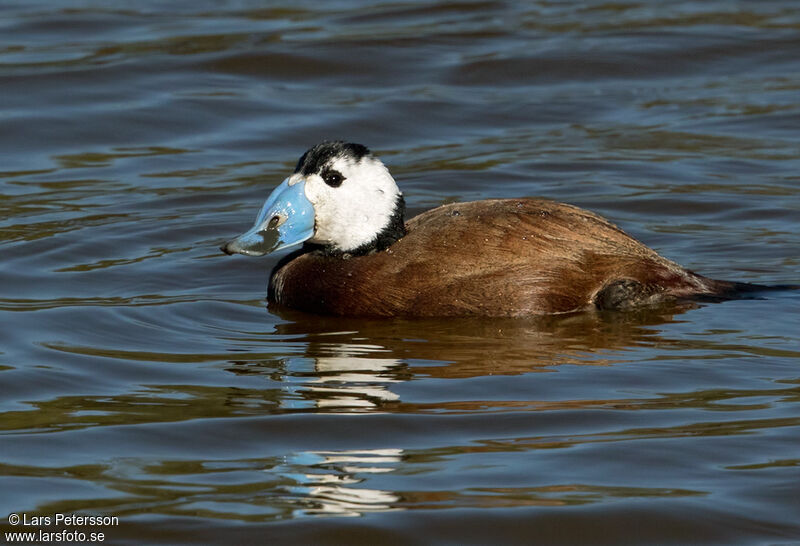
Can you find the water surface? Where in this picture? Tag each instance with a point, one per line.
(142, 375)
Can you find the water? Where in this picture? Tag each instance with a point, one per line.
(141, 375)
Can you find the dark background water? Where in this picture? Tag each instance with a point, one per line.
(141, 375)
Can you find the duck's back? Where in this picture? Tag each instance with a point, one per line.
(505, 257)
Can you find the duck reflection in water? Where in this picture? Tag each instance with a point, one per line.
(352, 364)
(328, 482)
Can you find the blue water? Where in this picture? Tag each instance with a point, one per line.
(142, 375)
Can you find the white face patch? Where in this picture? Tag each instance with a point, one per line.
(352, 214)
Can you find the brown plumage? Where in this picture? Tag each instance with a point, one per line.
(500, 257)
(503, 257)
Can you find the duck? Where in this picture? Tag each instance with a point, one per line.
(357, 256)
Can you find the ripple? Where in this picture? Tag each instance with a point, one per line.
(145, 377)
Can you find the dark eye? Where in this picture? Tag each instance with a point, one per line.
(333, 178)
(273, 222)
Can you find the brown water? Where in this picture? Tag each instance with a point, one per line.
(141, 375)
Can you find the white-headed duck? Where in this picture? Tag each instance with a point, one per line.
(497, 257)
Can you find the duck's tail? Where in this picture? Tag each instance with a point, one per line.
(729, 290)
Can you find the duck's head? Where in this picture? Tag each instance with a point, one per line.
(340, 197)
